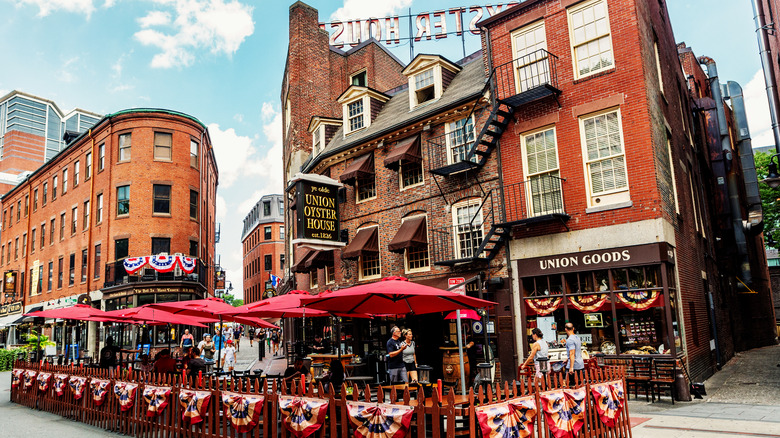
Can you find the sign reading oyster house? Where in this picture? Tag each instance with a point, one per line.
(317, 211)
(598, 259)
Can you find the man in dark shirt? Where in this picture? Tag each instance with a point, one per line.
(196, 364)
(320, 346)
(108, 354)
(395, 361)
(295, 371)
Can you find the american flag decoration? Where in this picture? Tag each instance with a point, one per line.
(125, 393)
(60, 383)
(99, 390)
(157, 399)
(564, 411)
(29, 379)
(43, 381)
(609, 397)
(16, 378)
(242, 410)
(162, 263)
(134, 264)
(302, 416)
(194, 403)
(187, 264)
(77, 385)
(511, 419)
(380, 420)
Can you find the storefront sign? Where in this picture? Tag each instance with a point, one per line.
(162, 290)
(317, 211)
(9, 283)
(424, 25)
(455, 281)
(11, 308)
(599, 259)
(594, 320)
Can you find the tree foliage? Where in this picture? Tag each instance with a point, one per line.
(770, 201)
(232, 300)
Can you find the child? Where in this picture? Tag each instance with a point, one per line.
(229, 356)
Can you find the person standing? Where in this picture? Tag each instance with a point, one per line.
(574, 349)
(395, 364)
(275, 341)
(229, 356)
(539, 350)
(187, 342)
(207, 350)
(409, 356)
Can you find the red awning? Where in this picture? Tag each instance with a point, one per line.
(319, 260)
(364, 242)
(412, 233)
(405, 150)
(361, 167)
(300, 265)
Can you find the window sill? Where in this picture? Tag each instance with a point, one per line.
(124, 216)
(595, 75)
(412, 186)
(161, 215)
(365, 200)
(163, 160)
(615, 206)
(373, 277)
(414, 271)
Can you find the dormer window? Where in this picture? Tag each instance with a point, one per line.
(424, 86)
(316, 141)
(355, 115)
(429, 76)
(359, 105)
(322, 130)
(358, 79)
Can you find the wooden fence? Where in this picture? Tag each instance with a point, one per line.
(253, 409)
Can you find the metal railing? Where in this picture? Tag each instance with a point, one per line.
(464, 240)
(115, 275)
(452, 147)
(525, 74)
(537, 196)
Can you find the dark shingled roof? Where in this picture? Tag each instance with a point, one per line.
(465, 86)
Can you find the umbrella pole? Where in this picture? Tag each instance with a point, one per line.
(460, 356)
(222, 341)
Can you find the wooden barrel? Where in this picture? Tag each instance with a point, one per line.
(451, 365)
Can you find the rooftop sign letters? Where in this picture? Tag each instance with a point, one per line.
(317, 211)
(425, 25)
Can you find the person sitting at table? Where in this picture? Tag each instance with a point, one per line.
(164, 363)
(320, 346)
(334, 376)
(108, 355)
(298, 369)
(146, 365)
(195, 364)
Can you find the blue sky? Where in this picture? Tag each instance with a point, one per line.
(222, 62)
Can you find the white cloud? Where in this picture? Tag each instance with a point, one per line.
(361, 9)
(117, 85)
(221, 208)
(757, 108)
(214, 25)
(66, 72)
(46, 7)
(238, 118)
(246, 205)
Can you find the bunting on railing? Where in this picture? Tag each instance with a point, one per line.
(163, 263)
(16, 377)
(588, 303)
(99, 390)
(187, 264)
(134, 264)
(512, 418)
(60, 383)
(125, 393)
(160, 263)
(243, 410)
(564, 411)
(302, 416)
(77, 385)
(157, 399)
(609, 399)
(43, 381)
(194, 404)
(379, 420)
(29, 379)
(638, 299)
(544, 306)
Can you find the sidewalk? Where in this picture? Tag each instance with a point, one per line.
(247, 360)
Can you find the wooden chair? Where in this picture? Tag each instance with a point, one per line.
(639, 374)
(664, 374)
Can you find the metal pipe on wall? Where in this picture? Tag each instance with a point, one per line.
(766, 65)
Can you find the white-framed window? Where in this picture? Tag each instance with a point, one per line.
(590, 38)
(416, 258)
(411, 174)
(64, 180)
(365, 188)
(605, 162)
(425, 86)
(330, 274)
(76, 171)
(314, 280)
(359, 78)
(529, 46)
(671, 173)
(287, 114)
(369, 266)
(541, 167)
(355, 115)
(163, 142)
(88, 164)
(459, 137)
(467, 228)
(194, 153)
(658, 70)
(124, 147)
(316, 141)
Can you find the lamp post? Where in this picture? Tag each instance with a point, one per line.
(773, 178)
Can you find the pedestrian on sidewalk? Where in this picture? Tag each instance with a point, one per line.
(574, 349)
(395, 364)
(187, 342)
(229, 356)
(275, 341)
(539, 350)
(237, 337)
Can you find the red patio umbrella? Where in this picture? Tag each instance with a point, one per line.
(464, 314)
(80, 312)
(281, 306)
(151, 316)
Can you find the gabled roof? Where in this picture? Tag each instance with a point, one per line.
(424, 60)
(356, 90)
(319, 120)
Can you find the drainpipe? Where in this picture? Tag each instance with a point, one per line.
(731, 175)
(766, 65)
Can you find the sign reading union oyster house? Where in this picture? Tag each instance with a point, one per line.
(598, 259)
(317, 211)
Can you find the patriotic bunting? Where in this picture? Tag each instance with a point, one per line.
(77, 385)
(16, 378)
(125, 393)
(543, 306)
(60, 383)
(588, 303)
(162, 263)
(157, 398)
(639, 299)
(242, 410)
(43, 381)
(99, 390)
(187, 264)
(609, 399)
(511, 419)
(194, 404)
(134, 264)
(564, 411)
(302, 416)
(379, 420)
(29, 379)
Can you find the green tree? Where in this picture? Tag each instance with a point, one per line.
(770, 201)
(232, 300)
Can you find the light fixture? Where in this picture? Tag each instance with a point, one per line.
(773, 178)
(424, 374)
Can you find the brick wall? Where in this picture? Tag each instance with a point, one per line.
(256, 247)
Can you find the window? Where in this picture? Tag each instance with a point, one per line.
(194, 154)
(161, 245)
(40, 279)
(267, 233)
(417, 259)
(467, 218)
(50, 276)
(365, 188)
(76, 170)
(59, 272)
(16, 249)
(96, 274)
(35, 200)
(122, 200)
(193, 204)
(51, 231)
(268, 262)
(355, 115)
(193, 248)
(99, 210)
(358, 79)
(84, 261)
(62, 226)
(32, 240)
(266, 208)
(162, 145)
(8, 258)
(88, 164)
(64, 181)
(411, 174)
(671, 174)
(10, 215)
(330, 274)
(121, 248)
(531, 64)
(124, 147)
(101, 156)
(605, 160)
(45, 192)
(74, 219)
(162, 198)
(460, 135)
(72, 270)
(314, 281)
(43, 235)
(541, 169)
(85, 222)
(2, 255)
(18, 210)
(54, 188)
(658, 69)
(281, 232)
(281, 262)
(26, 205)
(369, 266)
(424, 86)
(281, 208)
(590, 36)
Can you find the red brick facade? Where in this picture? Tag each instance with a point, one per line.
(263, 247)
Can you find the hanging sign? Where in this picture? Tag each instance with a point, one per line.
(9, 283)
(317, 211)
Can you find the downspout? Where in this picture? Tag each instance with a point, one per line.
(731, 175)
(203, 213)
(766, 65)
(91, 207)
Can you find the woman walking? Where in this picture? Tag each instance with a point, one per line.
(409, 356)
(538, 351)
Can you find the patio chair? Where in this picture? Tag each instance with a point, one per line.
(638, 375)
(664, 374)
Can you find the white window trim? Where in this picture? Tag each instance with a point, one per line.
(569, 13)
(328, 269)
(437, 86)
(616, 196)
(316, 146)
(352, 76)
(523, 30)
(671, 172)
(454, 213)
(314, 281)
(401, 185)
(658, 69)
(357, 192)
(366, 114)
(406, 259)
(448, 130)
(379, 255)
(526, 173)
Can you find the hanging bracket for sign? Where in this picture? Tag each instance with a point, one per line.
(317, 223)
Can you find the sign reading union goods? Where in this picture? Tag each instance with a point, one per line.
(598, 259)
(317, 211)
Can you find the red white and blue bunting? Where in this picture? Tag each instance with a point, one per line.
(242, 410)
(194, 404)
(99, 390)
(161, 263)
(640, 299)
(512, 418)
(125, 393)
(157, 399)
(16, 378)
(564, 410)
(77, 385)
(609, 398)
(379, 420)
(43, 381)
(302, 416)
(187, 264)
(134, 264)
(29, 379)
(60, 383)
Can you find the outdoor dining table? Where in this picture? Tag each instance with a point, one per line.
(326, 358)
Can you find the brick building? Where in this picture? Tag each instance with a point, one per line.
(262, 240)
(141, 182)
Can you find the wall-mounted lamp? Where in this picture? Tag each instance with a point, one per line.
(773, 178)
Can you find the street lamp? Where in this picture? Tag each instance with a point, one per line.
(773, 179)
